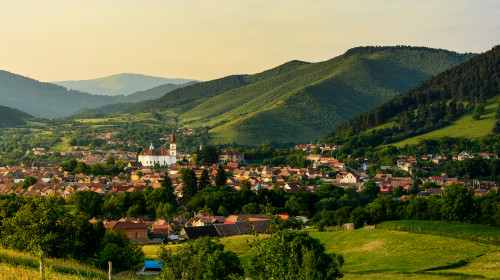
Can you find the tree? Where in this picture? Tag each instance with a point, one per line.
(430, 185)
(371, 188)
(190, 187)
(27, 182)
(165, 210)
(110, 161)
(221, 177)
(415, 188)
(207, 154)
(496, 127)
(245, 185)
(203, 259)
(296, 206)
(204, 179)
(292, 255)
(398, 191)
(87, 237)
(478, 112)
(119, 249)
(167, 182)
(251, 208)
(458, 202)
(40, 224)
(88, 202)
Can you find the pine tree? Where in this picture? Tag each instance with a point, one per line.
(221, 177)
(190, 187)
(204, 179)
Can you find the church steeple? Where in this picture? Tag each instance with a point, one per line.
(172, 138)
(173, 151)
(151, 146)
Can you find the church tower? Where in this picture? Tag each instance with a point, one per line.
(173, 152)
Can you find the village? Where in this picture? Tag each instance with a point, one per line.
(148, 168)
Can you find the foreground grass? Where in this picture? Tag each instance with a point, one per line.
(473, 232)
(388, 254)
(20, 265)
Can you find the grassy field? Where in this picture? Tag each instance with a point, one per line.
(480, 233)
(463, 127)
(63, 146)
(389, 254)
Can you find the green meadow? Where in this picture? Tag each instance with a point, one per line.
(384, 253)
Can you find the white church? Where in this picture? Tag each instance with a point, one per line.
(163, 157)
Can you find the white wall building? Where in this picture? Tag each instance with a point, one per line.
(163, 157)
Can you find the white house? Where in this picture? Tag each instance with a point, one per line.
(349, 178)
(163, 157)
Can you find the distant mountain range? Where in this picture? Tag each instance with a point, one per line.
(120, 84)
(299, 101)
(46, 100)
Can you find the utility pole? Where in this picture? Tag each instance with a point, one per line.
(41, 265)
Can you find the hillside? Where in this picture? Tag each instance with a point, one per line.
(300, 101)
(464, 126)
(441, 106)
(44, 100)
(12, 117)
(151, 93)
(120, 84)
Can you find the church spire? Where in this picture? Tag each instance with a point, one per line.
(172, 138)
(151, 146)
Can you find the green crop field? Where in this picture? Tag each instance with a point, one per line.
(463, 127)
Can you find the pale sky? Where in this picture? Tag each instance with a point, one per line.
(53, 40)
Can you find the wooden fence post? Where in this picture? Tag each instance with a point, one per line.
(41, 265)
(110, 273)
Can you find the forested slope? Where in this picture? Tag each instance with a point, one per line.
(11, 117)
(434, 103)
(44, 99)
(300, 101)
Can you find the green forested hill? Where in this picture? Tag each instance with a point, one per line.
(152, 93)
(300, 101)
(44, 99)
(48, 100)
(462, 94)
(11, 117)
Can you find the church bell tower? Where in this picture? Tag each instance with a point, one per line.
(173, 151)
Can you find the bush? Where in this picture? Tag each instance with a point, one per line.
(293, 255)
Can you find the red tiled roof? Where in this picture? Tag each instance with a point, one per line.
(155, 152)
(125, 225)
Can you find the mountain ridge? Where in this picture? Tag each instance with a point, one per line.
(119, 84)
(299, 101)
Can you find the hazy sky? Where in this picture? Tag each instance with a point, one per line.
(53, 40)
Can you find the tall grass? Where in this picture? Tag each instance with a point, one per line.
(28, 265)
